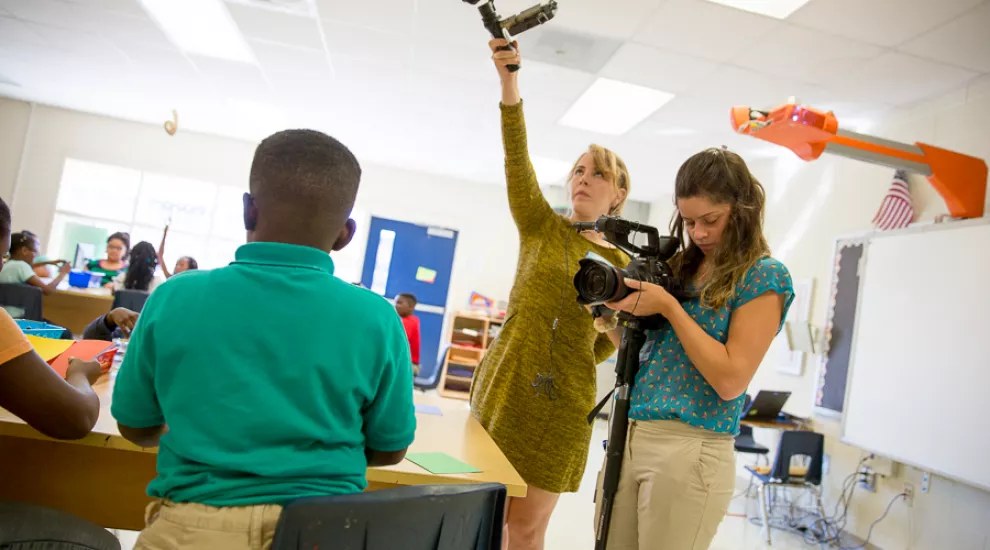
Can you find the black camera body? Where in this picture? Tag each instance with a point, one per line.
(598, 282)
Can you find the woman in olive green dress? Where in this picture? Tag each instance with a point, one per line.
(536, 384)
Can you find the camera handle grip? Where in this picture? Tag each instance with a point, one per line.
(508, 38)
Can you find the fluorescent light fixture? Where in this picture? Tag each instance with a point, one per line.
(778, 9)
(550, 170)
(613, 107)
(676, 131)
(202, 27)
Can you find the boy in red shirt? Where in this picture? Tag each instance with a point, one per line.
(405, 305)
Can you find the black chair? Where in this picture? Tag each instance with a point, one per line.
(26, 297)
(130, 299)
(745, 443)
(810, 445)
(29, 527)
(425, 517)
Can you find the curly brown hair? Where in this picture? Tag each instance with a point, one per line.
(722, 177)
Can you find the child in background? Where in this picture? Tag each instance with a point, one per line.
(41, 262)
(405, 306)
(185, 263)
(293, 391)
(140, 274)
(19, 269)
(118, 247)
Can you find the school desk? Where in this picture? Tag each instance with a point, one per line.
(786, 425)
(103, 477)
(74, 308)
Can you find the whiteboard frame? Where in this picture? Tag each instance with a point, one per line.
(840, 242)
(911, 230)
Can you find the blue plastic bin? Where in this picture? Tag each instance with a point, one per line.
(84, 279)
(42, 330)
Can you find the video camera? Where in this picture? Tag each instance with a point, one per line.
(598, 282)
(514, 24)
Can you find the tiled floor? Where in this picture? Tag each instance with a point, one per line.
(577, 509)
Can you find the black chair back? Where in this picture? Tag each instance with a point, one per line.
(799, 443)
(26, 297)
(130, 299)
(424, 517)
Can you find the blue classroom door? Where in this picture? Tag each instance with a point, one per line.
(405, 257)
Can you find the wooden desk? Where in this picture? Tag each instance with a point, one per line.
(103, 477)
(74, 308)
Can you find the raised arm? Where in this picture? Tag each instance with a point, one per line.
(161, 254)
(529, 207)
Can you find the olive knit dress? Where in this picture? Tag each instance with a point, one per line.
(545, 439)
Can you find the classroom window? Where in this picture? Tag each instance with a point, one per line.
(95, 200)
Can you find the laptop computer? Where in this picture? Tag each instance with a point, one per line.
(767, 405)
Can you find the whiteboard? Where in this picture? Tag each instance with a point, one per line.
(919, 376)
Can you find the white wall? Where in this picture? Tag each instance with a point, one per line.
(810, 205)
(487, 246)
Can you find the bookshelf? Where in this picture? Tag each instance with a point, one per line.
(469, 337)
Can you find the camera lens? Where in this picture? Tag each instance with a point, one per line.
(596, 282)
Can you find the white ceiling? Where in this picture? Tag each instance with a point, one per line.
(409, 82)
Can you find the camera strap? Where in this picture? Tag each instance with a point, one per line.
(598, 408)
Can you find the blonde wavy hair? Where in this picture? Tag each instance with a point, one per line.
(612, 167)
(722, 177)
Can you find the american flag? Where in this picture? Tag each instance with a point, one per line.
(896, 210)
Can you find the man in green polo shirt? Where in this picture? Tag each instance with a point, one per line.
(275, 379)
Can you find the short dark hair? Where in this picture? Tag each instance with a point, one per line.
(408, 296)
(304, 181)
(4, 218)
(124, 238)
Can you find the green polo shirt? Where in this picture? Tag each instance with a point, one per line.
(272, 375)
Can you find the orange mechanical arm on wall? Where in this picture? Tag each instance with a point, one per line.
(960, 179)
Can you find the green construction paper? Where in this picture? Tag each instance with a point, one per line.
(441, 463)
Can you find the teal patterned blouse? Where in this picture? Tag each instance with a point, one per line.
(669, 387)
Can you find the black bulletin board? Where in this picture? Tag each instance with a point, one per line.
(844, 291)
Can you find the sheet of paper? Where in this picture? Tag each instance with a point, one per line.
(426, 275)
(87, 350)
(441, 463)
(48, 348)
(428, 409)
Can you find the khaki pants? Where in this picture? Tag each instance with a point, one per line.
(171, 525)
(674, 488)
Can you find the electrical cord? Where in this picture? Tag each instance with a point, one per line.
(869, 533)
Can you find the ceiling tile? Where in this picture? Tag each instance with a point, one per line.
(386, 15)
(274, 26)
(704, 29)
(83, 47)
(731, 85)
(456, 22)
(900, 79)
(618, 19)
(231, 79)
(362, 42)
(884, 22)
(567, 48)
(552, 81)
(698, 114)
(806, 54)
(461, 61)
(962, 41)
(12, 30)
(172, 65)
(659, 69)
(129, 7)
(278, 57)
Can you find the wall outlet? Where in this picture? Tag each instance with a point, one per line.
(868, 479)
(908, 494)
(826, 463)
(926, 482)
